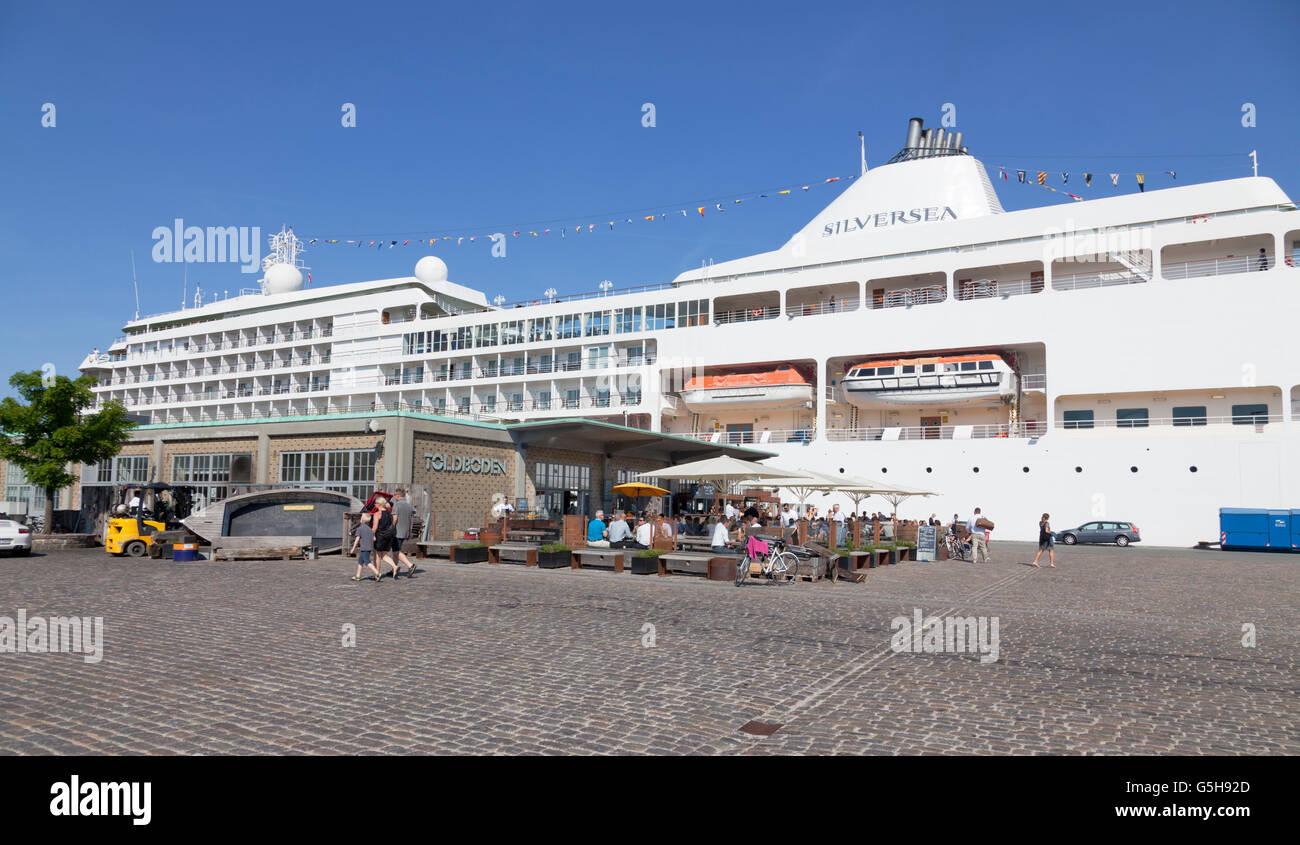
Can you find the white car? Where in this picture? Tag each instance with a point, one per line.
(15, 537)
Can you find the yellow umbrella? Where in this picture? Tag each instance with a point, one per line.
(635, 490)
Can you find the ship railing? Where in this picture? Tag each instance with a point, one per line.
(1217, 266)
(907, 297)
(1256, 420)
(937, 432)
(747, 315)
(997, 288)
(750, 438)
(1085, 281)
(1033, 381)
(826, 306)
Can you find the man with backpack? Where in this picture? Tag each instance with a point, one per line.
(978, 527)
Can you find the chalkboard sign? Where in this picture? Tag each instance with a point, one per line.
(926, 538)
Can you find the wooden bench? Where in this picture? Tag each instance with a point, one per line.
(694, 562)
(513, 552)
(616, 557)
(442, 548)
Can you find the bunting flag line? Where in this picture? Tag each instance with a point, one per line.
(591, 227)
(1114, 179)
(1042, 177)
(1087, 180)
(1142, 182)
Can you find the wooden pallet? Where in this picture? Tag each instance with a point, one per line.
(269, 553)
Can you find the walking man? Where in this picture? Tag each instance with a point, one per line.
(402, 518)
(977, 527)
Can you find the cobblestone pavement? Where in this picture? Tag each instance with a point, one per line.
(1117, 651)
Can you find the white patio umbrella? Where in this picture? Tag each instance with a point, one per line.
(720, 471)
(899, 493)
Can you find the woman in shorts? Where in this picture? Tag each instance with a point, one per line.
(1046, 542)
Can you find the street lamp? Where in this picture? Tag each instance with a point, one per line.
(606, 285)
(498, 299)
(550, 293)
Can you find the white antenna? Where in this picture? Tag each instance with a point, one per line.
(863, 142)
(198, 295)
(185, 286)
(135, 286)
(285, 247)
(1254, 163)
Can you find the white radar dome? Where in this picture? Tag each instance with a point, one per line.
(282, 278)
(430, 269)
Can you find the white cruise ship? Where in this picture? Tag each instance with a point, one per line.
(1130, 358)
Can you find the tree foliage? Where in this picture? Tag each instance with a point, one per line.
(49, 429)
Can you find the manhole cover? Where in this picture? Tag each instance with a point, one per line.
(760, 728)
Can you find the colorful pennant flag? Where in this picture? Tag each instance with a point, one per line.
(1142, 182)
(1087, 180)
(1114, 179)
(1042, 177)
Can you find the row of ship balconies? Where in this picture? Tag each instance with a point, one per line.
(224, 344)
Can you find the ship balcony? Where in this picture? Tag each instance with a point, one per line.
(1217, 266)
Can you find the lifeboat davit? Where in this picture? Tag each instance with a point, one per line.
(944, 380)
(774, 389)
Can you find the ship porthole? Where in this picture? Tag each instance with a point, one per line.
(1191, 469)
(1132, 469)
(1078, 469)
(929, 469)
(1024, 469)
(841, 470)
(975, 469)
(884, 469)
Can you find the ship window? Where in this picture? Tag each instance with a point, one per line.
(986, 365)
(950, 367)
(1132, 418)
(927, 368)
(884, 371)
(1189, 415)
(909, 368)
(1078, 419)
(966, 366)
(1249, 414)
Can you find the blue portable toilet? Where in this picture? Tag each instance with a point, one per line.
(1279, 529)
(1295, 530)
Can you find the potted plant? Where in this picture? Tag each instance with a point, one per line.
(646, 561)
(469, 553)
(554, 556)
(906, 550)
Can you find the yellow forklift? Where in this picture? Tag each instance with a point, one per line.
(146, 523)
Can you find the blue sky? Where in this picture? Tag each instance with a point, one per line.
(479, 119)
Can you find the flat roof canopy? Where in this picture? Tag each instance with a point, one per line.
(624, 442)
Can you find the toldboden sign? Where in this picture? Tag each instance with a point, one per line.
(439, 462)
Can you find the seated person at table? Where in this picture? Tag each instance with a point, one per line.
(619, 533)
(644, 534)
(596, 532)
(665, 527)
(721, 535)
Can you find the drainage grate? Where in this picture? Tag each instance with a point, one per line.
(760, 728)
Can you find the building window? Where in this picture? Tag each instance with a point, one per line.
(1254, 414)
(1078, 419)
(1189, 415)
(132, 469)
(1132, 418)
(350, 471)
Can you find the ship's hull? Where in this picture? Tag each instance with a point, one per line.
(1076, 477)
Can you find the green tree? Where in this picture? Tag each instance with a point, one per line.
(52, 430)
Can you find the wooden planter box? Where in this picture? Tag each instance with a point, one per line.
(554, 560)
(904, 554)
(463, 554)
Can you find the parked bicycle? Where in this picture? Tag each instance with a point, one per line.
(36, 524)
(777, 562)
(958, 548)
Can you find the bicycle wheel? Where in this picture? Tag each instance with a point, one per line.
(742, 570)
(784, 566)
